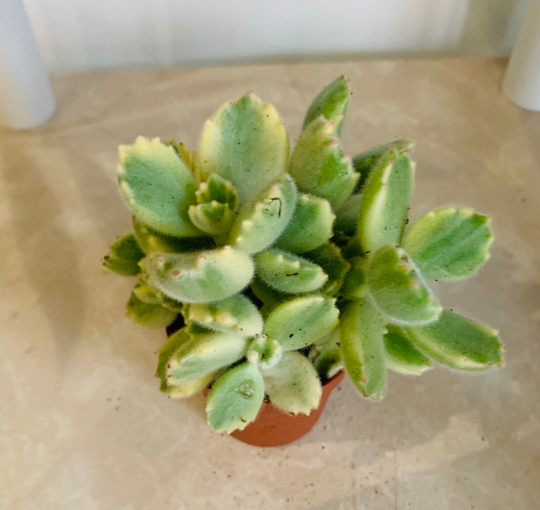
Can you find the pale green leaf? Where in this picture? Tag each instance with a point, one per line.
(150, 315)
(124, 256)
(401, 354)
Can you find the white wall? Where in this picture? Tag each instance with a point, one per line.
(89, 34)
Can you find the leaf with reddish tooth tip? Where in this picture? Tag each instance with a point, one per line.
(366, 162)
(362, 347)
(318, 164)
(458, 342)
(235, 314)
(398, 289)
(449, 244)
(331, 102)
(245, 143)
(260, 222)
(385, 202)
(199, 277)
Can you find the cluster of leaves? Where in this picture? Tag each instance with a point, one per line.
(287, 269)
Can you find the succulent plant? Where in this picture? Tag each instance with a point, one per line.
(284, 270)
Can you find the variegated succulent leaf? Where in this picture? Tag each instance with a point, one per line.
(329, 257)
(200, 277)
(362, 347)
(147, 294)
(318, 164)
(309, 227)
(217, 189)
(149, 315)
(292, 384)
(124, 256)
(449, 244)
(366, 162)
(326, 355)
(301, 321)
(401, 354)
(397, 287)
(355, 284)
(347, 215)
(149, 240)
(245, 143)
(261, 221)
(214, 218)
(235, 314)
(203, 354)
(385, 202)
(235, 398)
(188, 157)
(331, 102)
(264, 351)
(458, 342)
(268, 295)
(189, 388)
(157, 186)
(288, 273)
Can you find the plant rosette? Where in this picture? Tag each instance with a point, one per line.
(285, 270)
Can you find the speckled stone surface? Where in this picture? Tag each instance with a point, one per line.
(83, 425)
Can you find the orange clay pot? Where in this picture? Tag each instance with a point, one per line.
(273, 427)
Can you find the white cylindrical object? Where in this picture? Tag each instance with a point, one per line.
(522, 79)
(26, 98)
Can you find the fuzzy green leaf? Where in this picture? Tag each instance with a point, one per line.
(329, 257)
(264, 351)
(124, 256)
(293, 384)
(301, 321)
(398, 288)
(213, 218)
(150, 240)
(202, 354)
(261, 221)
(245, 143)
(235, 314)
(309, 227)
(147, 294)
(199, 277)
(150, 315)
(289, 273)
(267, 294)
(189, 388)
(401, 354)
(368, 161)
(157, 186)
(318, 164)
(327, 358)
(362, 348)
(355, 284)
(385, 203)
(332, 102)
(347, 215)
(217, 189)
(174, 342)
(459, 342)
(235, 398)
(449, 244)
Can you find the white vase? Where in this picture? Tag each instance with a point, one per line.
(522, 79)
(26, 98)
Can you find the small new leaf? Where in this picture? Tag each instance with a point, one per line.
(124, 256)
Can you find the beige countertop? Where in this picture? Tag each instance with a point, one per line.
(83, 425)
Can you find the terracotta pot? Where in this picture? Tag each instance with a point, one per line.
(273, 427)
